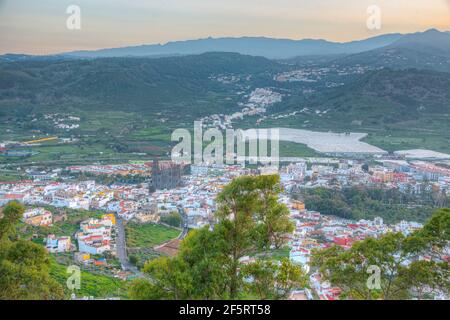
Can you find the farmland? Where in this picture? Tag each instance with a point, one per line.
(148, 235)
(327, 142)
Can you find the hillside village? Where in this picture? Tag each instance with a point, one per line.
(194, 200)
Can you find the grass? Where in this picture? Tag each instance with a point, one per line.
(72, 224)
(7, 177)
(116, 136)
(143, 255)
(153, 133)
(392, 143)
(292, 149)
(274, 254)
(148, 235)
(69, 151)
(428, 132)
(281, 253)
(98, 286)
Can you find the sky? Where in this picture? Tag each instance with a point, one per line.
(39, 26)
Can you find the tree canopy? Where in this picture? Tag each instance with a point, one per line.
(393, 266)
(210, 263)
(24, 265)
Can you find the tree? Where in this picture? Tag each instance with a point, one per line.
(173, 219)
(422, 277)
(436, 233)
(248, 213)
(195, 273)
(202, 250)
(238, 204)
(394, 259)
(169, 280)
(365, 167)
(133, 259)
(142, 289)
(273, 216)
(24, 266)
(270, 279)
(12, 213)
(209, 263)
(367, 203)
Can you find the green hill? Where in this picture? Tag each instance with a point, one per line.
(168, 85)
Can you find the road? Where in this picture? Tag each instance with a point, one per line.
(185, 231)
(122, 249)
(121, 244)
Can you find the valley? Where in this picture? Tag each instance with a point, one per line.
(125, 108)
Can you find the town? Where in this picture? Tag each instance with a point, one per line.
(190, 192)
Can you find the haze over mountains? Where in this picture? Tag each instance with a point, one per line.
(255, 46)
(431, 48)
(270, 48)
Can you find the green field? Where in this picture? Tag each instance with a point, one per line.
(292, 149)
(148, 235)
(95, 285)
(408, 140)
(8, 177)
(274, 254)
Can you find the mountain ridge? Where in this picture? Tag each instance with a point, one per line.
(256, 46)
(421, 50)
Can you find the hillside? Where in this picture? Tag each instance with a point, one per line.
(400, 109)
(128, 105)
(167, 85)
(425, 50)
(389, 96)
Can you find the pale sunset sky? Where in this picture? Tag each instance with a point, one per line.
(39, 26)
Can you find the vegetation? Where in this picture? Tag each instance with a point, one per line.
(399, 109)
(91, 285)
(209, 264)
(173, 219)
(292, 149)
(67, 223)
(24, 265)
(368, 203)
(8, 177)
(388, 268)
(148, 235)
(146, 85)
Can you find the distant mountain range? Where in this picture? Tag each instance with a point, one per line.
(432, 42)
(254, 46)
(396, 50)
